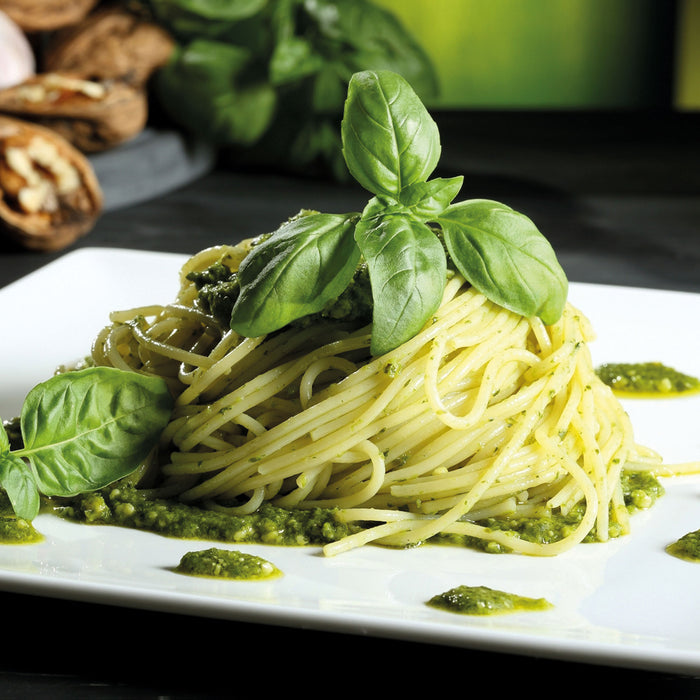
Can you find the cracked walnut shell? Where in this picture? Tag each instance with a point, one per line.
(92, 115)
(49, 194)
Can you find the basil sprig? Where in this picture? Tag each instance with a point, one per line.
(408, 233)
(81, 431)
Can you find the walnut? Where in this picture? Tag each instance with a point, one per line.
(46, 15)
(49, 194)
(110, 44)
(92, 115)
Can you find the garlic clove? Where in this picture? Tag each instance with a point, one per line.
(17, 62)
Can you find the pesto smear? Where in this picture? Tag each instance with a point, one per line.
(224, 563)
(124, 505)
(647, 379)
(481, 600)
(127, 506)
(640, 490)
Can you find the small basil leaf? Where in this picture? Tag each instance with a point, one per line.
(426, 200)
(305, 264)
(389, 139)
(407, 270)
(378, 208)
(18, 481)
(503, 255)
(84, 429)
(4, 440)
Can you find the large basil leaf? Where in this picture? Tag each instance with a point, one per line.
(390, 141)
(305, 264)
(502, 254)
(84, 429)
(407, 270)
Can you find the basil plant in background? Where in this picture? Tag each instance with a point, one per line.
(267, 78)
(80, 431)
(408, 234)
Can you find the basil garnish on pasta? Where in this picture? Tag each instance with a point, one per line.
(408, 234)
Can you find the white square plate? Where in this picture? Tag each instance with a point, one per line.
(624, 603)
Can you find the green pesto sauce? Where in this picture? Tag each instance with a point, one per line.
(641, 490)
(480, 600)
(126, 506)
(223, 563)
(647, 380)
(687, 547)
(14, 530)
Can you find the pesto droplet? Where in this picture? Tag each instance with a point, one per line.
(687, 547)
(225, 563)
(647, 379)
(481, 600)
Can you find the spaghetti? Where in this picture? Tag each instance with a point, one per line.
(484, 413)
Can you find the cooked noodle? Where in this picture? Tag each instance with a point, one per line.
(483, 413)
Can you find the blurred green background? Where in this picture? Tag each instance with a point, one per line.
(553, 54)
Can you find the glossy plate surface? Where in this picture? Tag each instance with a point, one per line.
(626, 603)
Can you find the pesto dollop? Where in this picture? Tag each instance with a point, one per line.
(224, 563)
(687, 547)
(481, 600)
(217, 290)
(649, 379)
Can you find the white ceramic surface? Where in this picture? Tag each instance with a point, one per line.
(625, 603)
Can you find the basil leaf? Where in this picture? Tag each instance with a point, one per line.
(84, 429)
(305, 264)
(203, 88)
(426, 200)
(503, 255)
(407, 270)
(389, 139)
(18, 481)
(377, 208)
